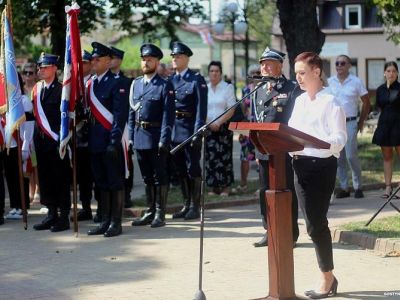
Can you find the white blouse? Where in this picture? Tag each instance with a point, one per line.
(322, 118)
(220, 99)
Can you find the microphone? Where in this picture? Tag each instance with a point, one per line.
(263, 78)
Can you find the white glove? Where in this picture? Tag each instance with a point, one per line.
(25, 155)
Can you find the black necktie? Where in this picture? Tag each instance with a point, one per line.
(146, 83)
(95, 83)
(178, 77)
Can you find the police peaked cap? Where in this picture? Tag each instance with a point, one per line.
(272, 54)
(117, 52)
(100, 50)
(180, 48)
(151, 50)
(47, 60)
(86, 56)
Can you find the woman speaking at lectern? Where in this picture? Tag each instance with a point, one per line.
(317, 113)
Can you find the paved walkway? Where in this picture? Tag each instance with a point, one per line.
(162, 263)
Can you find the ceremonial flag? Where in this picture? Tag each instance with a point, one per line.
(3, 99)
(73, 88)
(15, 114)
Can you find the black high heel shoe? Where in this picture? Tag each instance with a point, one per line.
(331, 292)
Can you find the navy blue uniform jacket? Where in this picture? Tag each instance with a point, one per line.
(152, 103)
(190, 97)
(114, 97)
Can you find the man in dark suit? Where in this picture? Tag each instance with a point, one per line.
(151, 118)
(274, 102)
(54, 172)
(191, 112)
(116, 61)
(108, 101)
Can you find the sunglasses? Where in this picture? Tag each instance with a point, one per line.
(28, 73)
(340, 63)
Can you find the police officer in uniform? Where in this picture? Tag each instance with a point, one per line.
(108, 101)
(151, 118)
(190, 115)
(116, 61)
(83, 169)
(274, 102)
(54, 172)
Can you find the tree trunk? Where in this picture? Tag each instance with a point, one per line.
(58, 24)
(299, 25)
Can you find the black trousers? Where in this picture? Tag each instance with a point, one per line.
(11, 173)
(153, 166)
(187, 161)
(54, 179)
(84, 176)
(314, 181)
(108, 173)
(264, 186)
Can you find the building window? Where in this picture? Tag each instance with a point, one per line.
(375, 73)
(354, 66)
(353, 16)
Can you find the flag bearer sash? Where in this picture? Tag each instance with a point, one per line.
(105, 118)
(39, 113)
(102, 115)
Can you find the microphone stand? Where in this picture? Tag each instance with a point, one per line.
(203, 132)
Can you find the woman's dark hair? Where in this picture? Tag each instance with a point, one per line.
(391, 64)
(215, 63)
(310, 58)
(21, 84)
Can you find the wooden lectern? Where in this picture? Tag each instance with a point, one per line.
(276, 139)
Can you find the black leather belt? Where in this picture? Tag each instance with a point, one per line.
(351, 119)
(296, 157)
(145, 125)
(183, 114)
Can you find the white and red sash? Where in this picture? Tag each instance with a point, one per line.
(105, 118)
(102, 115)
(39, 113)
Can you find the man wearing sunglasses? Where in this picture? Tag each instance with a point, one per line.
(349, 89)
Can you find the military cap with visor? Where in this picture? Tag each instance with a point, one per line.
(149, 49)
(47, 60)
(100, 50)
(180, 48)
(272, 54)
(86, 56)
(117, 52)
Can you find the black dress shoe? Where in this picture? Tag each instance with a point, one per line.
(192, 214)
(61, 225)
(342, 194)
(101, 229)
(114, 229)
(263, 242)
(1, 220)
(46, 223)
(316, 295)
(358, 194)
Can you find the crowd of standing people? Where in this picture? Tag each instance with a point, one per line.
(155, 112)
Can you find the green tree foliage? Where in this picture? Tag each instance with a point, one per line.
(41, 16)
(389, 15)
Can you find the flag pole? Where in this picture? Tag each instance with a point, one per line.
(74, 189)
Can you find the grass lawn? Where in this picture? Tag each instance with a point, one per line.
(384, 228)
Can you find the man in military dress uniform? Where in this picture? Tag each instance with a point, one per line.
(54, 172)
(191, 112)
(116, 61)
(274, 102)
(151, 118)
(108, 101)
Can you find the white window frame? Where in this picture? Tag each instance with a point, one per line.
(347, 11)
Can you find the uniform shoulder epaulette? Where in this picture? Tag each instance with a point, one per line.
(139, 77)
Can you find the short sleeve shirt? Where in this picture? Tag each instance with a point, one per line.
(348, 93)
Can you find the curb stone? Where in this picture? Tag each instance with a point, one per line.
(386, 246)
